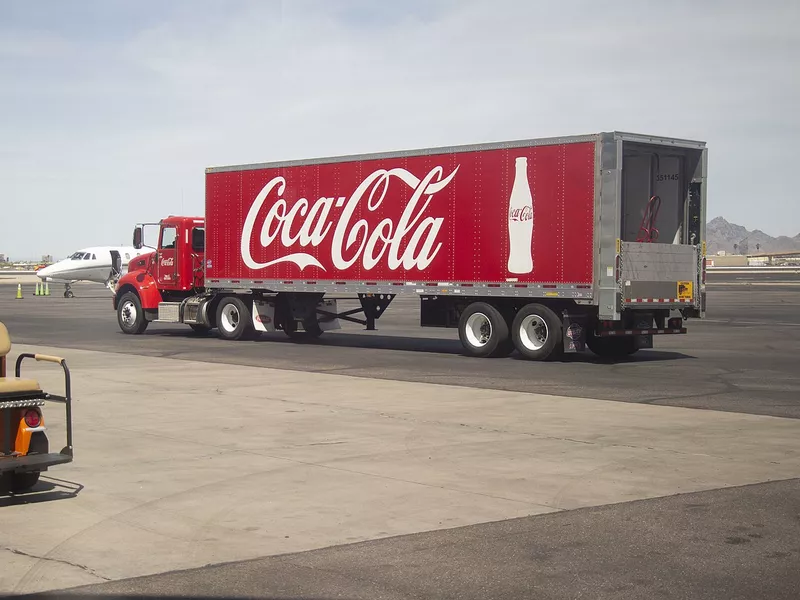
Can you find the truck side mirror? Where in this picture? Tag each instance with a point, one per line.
(137, 238)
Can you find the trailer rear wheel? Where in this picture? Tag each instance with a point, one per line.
(311, 330)
(612, 347)
(483, 331)
(537, 332)
(130, 315)
(234, 321)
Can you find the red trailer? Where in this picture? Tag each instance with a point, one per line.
(540, 245)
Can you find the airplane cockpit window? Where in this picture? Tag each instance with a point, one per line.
(94, 257)
(77, 256)
(198, 239)
(87, 256)
(168, 237)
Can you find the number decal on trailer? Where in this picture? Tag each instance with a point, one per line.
(667, 177)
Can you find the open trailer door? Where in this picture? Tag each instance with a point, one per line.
(654, 194)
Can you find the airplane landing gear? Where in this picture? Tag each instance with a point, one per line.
(68, 291)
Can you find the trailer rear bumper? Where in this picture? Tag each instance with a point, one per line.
(624, 332)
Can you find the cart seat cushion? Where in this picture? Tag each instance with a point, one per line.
(15, 385)
(5, 340)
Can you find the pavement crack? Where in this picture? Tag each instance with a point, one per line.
(57, 560)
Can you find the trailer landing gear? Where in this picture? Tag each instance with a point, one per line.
(307, 311)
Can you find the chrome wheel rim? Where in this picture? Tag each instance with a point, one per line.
(478, 330)
(533, 332)
(229, 318)
(128, 313)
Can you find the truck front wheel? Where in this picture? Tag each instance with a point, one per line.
(130, 315)
(234, 321)
(483, 331)
(538, 333)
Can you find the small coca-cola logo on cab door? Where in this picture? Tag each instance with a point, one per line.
(521, 214)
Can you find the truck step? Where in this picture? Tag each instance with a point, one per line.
(169, 312)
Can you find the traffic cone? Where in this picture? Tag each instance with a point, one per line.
(46, 289)
(36, 293)
(19, 291)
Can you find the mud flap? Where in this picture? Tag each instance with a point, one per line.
(327, 323)
(574, 333)
(644, 341)
(263, 315)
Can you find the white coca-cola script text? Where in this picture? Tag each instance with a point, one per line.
(410, 243)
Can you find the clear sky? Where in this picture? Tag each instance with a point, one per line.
(110, 110)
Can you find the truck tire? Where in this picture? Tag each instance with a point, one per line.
(612, 347)
(234, 321)
(311, 330)
(538, 333)
(130, 315)
(483, 331)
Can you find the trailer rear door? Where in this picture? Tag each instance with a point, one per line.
(651, 230)
(662, 223)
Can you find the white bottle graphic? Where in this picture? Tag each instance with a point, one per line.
(520, 221)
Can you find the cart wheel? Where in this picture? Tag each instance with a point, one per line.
(21, 482)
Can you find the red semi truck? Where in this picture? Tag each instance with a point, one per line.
(543, 246)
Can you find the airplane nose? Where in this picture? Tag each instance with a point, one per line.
(44, 273)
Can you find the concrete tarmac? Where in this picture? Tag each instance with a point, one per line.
(733, 544)
(181, 464)
(742, 358)
(306, 462)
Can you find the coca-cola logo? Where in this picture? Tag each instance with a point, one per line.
(520, 214)
(167, 262)
(409, 243)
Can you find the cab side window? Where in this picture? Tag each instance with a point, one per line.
(168, 237)
(198, 239)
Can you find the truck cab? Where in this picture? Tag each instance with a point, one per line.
(163, 278)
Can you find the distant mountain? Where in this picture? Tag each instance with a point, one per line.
(722, 235)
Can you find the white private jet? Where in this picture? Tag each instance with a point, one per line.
(101, 264)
